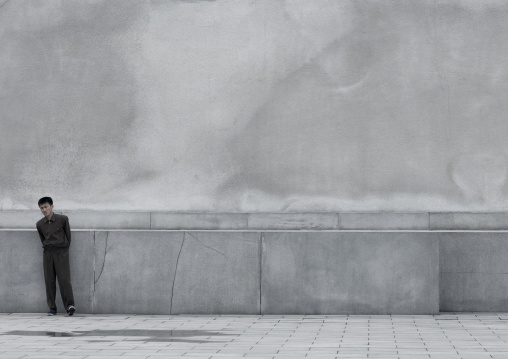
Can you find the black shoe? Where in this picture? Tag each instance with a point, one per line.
(71, 310)
(51, 313)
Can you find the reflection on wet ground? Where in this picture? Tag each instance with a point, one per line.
(148, 335)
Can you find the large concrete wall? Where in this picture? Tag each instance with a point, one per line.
(241, 106)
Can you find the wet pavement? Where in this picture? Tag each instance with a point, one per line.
(444, 336)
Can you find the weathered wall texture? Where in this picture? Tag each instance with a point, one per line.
(254, 106)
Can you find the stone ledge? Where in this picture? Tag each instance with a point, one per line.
(109, 220)
(384, 220)
(166, 220)
(293, 221)
(464, 220)
(157, 220)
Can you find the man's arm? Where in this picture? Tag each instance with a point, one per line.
(67, 230)
(40, 234)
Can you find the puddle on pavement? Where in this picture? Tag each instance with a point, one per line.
(150, 335)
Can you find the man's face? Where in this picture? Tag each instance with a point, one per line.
(46, 209)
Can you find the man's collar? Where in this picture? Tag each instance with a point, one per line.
(52, 219)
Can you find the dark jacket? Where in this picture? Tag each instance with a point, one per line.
(55, 234)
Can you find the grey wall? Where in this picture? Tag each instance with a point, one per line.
(265, 272)
(474, 271)
(230, 272)
(262, 106)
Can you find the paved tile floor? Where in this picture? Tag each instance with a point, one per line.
(448, 335)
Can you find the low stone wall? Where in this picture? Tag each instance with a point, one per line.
(231, 272)
(262, 263)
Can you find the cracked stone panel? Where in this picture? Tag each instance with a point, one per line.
(134, 271)
(22, 272)
(350, 273)
(218, 272)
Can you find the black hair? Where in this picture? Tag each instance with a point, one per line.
(45, 200)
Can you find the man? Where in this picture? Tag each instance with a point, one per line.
(55, 234)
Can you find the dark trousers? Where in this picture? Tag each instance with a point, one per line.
(56, 265)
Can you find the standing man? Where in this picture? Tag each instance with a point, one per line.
(55, 234)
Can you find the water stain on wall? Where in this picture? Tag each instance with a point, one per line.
(376, 116)
(254, 106)
(67, 96)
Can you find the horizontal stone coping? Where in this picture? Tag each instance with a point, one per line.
(158, 220)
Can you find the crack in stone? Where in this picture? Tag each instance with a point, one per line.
(204, 245)
(174, 277)
(5, 3)
(104, 261)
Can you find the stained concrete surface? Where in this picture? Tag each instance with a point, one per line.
(265, 106)
(353, 273)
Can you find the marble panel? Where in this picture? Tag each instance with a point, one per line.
(473, 252)
(176, 272)
(134, 271)
(473, 292)
(218, 272)
(350, 273)
(474, 271)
